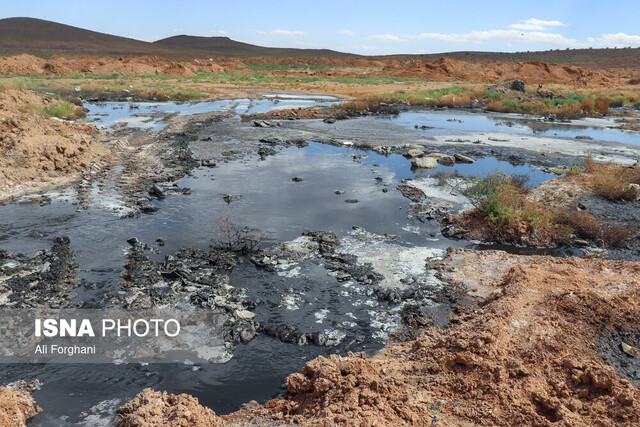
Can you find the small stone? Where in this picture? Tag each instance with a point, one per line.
(424, 163)
(351, 201)
(261, 124)
(338, 192)
(245, 314)
(463, 159)
(629, 350)
(297, 179)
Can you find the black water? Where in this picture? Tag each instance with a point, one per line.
(270, 202)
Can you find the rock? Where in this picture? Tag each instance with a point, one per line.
(245, 314)
(160, 241)
(629, 350)
(463, 159)
(414, 153)
(157, 192)
(351, 201)
(443, 159)
(424, 163)
(584, 137)
(297, 179)
(261, 124)
(133, 241)
(228, 198)
(263, 152)
(330, 120)
(450, 231)
(338, 192)
(634, 191)
(515, 85)
(412, 193)
(208, 164)
(580, 242)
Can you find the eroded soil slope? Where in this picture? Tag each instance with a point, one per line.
(530, 350)
(36, 150)
(444, 69)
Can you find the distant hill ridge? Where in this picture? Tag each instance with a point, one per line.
(37, 35)
(33, 35)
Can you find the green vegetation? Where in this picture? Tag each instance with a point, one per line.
(61, 109)
(276, 67)
(501, 198)
(502, 201)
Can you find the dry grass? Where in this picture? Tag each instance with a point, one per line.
(613, 181)
(502, 201)
(586, 226)
(602, 104)
(588, 105)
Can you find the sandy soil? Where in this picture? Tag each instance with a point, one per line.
(37, 151)
(529, 351)
(16, 406)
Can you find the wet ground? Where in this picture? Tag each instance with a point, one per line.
(281, 181)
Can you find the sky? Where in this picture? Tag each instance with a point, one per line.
(370, 27)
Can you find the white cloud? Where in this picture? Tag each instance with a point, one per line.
(536, 24)
(214, 33)
(500, 36)
(387, 38)
(347, 32)
(288, 33)
(364, 47)
(615, 40)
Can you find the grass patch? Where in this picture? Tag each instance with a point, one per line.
(613, 181)
(61, 109)
(502, 201)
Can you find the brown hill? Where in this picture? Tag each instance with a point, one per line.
(37, 35)
(226, 46)
(29, 35)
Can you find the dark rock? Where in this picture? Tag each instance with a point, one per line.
(261, 124)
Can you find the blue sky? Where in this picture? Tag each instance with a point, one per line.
(366, 27)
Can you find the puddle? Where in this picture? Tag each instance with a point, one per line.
(147, 115)
(455, 121)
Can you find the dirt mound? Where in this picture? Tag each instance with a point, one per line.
(16, 406)
(152, 408)
(35, 149)
(446, 69)
(547, 340)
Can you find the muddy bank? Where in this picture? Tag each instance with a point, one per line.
(38, 152)
(500, 361)
(16, 404)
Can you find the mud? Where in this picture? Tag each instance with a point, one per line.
(379, 285)
(500, 361)
(46, 280)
